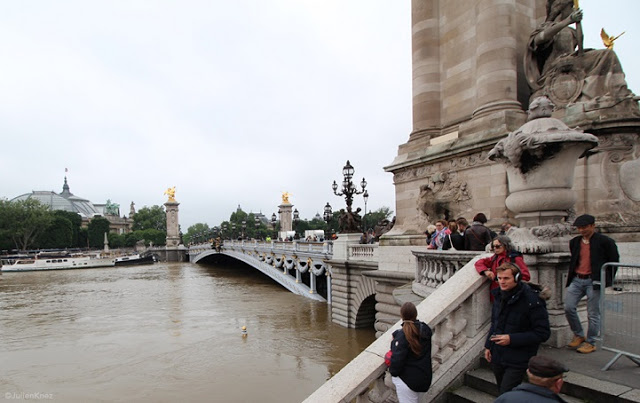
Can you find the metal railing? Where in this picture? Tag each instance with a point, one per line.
(620, 311)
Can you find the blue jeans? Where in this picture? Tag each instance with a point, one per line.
(577, 289)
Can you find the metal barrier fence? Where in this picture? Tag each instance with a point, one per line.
(620, 311)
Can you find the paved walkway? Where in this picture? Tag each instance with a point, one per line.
(623, 372)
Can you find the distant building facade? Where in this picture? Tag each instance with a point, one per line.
(67, 201)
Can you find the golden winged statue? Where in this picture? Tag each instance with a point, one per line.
(171, 192)
(608, 40)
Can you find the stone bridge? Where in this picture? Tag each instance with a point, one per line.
(343, 273)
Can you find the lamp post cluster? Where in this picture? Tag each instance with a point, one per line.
(348, 190)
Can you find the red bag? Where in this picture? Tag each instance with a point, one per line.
(387, 358)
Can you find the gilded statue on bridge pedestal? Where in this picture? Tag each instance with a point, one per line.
(285, 198)
(171, 193)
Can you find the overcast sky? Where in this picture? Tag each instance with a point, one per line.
(232, 102)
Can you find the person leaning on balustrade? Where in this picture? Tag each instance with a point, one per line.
(503, 251)
(410, 363)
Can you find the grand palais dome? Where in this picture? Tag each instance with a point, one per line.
(64, 201)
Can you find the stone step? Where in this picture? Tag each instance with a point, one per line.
(466, 394)
(483, 380)
(479, 386)
(596, 390)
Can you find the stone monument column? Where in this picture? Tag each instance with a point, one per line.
(174, 251)
(498, 59)
(173, 227)
(425, 48)
(285, 217)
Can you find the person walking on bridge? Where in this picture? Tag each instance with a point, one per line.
(589, 251)
(410, 366)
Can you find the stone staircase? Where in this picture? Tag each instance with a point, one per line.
(479, 386)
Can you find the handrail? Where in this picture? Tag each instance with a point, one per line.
(458, 338)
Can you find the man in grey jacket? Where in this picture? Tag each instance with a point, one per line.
(545, 381)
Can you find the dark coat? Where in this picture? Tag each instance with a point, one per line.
(493, 262)
(528, 393)
(525, 319)
(457, 239)
(476, 237)
(603, 250)
(414, 370)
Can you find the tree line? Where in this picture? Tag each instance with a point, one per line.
(28, 224)
(233, 228)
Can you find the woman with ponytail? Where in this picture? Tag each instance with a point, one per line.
(411, 356)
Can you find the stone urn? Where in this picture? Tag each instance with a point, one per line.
(540, 159)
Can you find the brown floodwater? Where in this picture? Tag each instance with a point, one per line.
(165, 333)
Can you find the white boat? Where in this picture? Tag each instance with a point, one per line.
(58, 263)
(136, 259)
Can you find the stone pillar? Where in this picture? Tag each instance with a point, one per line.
(497, 63)
(173, 227)
(286, 216)
(425, 47)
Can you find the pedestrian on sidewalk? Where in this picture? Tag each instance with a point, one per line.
(546, 377)
(519, 324)
(589, 251)
(410, 366)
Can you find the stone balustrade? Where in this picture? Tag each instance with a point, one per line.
(435, 267)
(458, 313)
(363, 252)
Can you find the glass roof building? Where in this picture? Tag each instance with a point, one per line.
(66, 201)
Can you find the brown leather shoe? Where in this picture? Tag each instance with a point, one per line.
(586, 348)
(576, 342)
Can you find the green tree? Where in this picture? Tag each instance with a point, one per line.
(59, 234)
(195, 231)
(62, 232)
(154, 236)
(374, 217)
(116, 240)
(96, 230)
(153, 217)
(22, 222)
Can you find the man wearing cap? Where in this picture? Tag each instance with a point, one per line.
(545, 381)
(589, 252)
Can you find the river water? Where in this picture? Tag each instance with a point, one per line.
(164, 333)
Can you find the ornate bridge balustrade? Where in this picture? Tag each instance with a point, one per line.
(458, 313)
(299, 266)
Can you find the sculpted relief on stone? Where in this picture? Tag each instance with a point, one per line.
(443, 194)
(557, 66)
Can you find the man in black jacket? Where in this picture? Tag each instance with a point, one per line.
(589, 251)
(519, 323)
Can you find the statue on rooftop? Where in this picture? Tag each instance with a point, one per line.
(111, 208)
(554, 67)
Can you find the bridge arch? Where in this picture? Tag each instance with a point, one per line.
(259, 262)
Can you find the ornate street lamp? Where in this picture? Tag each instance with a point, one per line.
(328, 216)
(348, 188)
(233, 231)
(365, 196)
(296, 220)
(244, 227)
(350, 222)
(274, 221)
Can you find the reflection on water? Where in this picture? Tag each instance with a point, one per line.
(166, 332)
